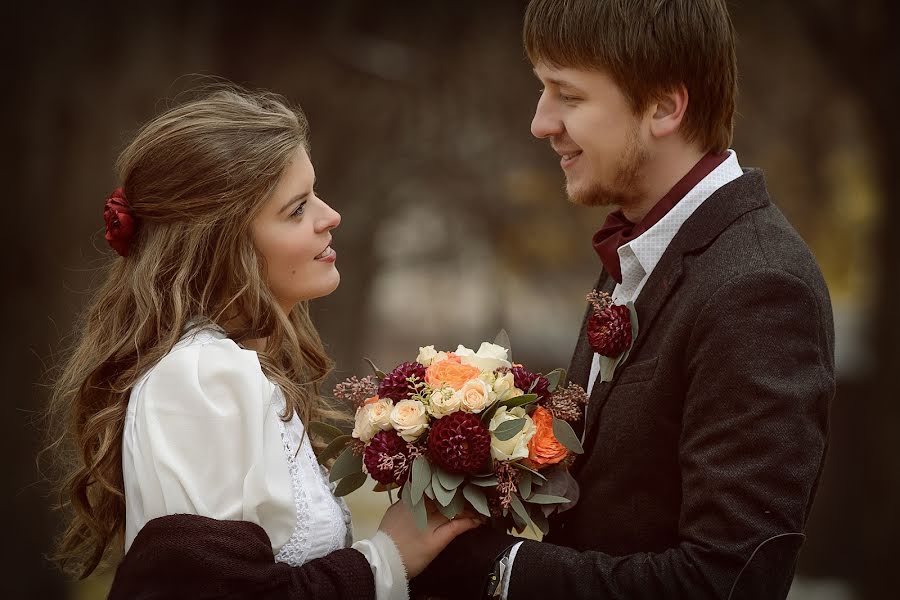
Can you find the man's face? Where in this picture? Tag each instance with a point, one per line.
(591, 126)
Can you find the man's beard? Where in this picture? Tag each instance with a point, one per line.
(625, 188)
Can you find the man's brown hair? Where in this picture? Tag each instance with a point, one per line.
(648, 47)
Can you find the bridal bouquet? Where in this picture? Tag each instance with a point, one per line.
(462, 428)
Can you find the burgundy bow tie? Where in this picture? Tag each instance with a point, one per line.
(617, 230)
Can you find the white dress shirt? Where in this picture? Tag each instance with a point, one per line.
(640, 256)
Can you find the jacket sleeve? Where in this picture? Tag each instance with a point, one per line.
(760, 378)
(189, 556)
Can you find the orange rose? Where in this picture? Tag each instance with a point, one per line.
(544, 449)
(450, 372)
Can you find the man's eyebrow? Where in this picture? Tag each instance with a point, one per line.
(557, 82)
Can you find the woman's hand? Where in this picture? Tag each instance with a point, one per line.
(417, 547)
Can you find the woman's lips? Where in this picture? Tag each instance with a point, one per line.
(327, 255)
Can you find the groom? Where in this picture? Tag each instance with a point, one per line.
(703, 452)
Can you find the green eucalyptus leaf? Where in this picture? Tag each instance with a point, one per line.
(554, 377)
(522, 467)
(349, 484)
(421, 477)
(540, 520)
(429, 491)
(333, 448)
(441, 494)
(449, 481)
(525, 479)
(566, 436)
(508, 429)
(347, 463)
(548, 499)
(488, 413)
(448, 511)
(608, 367)
(325, 430)
(485, 481)
(519, 510)
(378, 372)
(477, 499)
(420, 514)
(406, 496)
(502, 339)
(522, 400)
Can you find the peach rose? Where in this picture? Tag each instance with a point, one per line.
(372, 417)
(450, 372)
(543, 448)
(474, 396)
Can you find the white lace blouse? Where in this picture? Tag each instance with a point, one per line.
(203, 436)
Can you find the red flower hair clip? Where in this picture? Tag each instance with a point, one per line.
(121, 224)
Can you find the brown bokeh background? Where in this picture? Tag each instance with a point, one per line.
(454, 220)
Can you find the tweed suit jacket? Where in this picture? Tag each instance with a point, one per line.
(703, 454)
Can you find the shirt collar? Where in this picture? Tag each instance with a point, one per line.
(649, 247)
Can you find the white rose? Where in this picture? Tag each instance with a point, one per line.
(517, 446)
(488, 358)
(409, 419)
(505, 387)
(426, 356)
(372, 418)
(443, 402)
(474, 396)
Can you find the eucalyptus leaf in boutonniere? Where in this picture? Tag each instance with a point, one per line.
(611, 329)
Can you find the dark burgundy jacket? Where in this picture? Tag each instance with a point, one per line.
(198, 558)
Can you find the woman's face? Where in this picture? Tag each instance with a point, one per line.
(292, 233)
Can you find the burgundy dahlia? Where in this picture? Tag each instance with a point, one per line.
(396, 384)
(459, 443)
(525, 378)
(609, 330)
(387, 458)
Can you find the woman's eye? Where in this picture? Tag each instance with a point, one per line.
(298, 212)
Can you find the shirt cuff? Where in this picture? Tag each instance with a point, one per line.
(387, 566)
(507, 574)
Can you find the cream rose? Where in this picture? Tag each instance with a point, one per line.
(426, 356)
(474, 396)
(488, 358)
(443, 402)
(409, 419)
(517, 446)
(505, 387)
(372, 418)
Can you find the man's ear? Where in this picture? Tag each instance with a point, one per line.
(668, 112)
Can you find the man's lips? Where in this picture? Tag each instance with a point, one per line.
(568, 159)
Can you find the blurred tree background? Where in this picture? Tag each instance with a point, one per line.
(455, 223)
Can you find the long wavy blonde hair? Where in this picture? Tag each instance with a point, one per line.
(195, 177)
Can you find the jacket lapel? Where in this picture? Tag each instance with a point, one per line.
(711, 218)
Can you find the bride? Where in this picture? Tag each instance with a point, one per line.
(197, 367)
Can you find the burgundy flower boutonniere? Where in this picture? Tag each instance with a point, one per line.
(611, 329)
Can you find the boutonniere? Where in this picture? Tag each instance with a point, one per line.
(611, 329)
